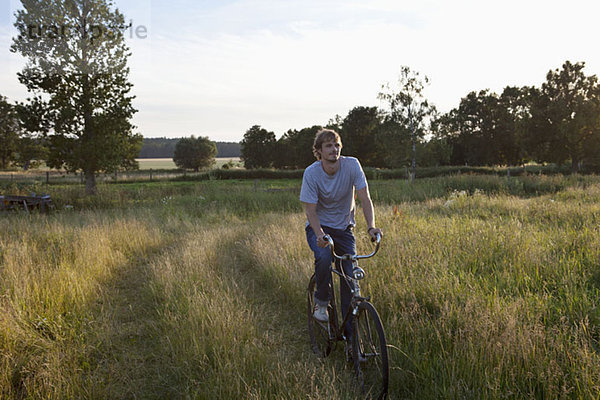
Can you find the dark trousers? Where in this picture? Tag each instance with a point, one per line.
(344, 244)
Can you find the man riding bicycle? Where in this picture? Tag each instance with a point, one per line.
(327, 193)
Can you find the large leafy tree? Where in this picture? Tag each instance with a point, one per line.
(294, 148)
(565, 117)
(77, 72)
(484, 129)
(474, 123)
(195, 153)
(408, 107)
(393, 144)
(257, 148)
(512, 111)
(9, 132)
(358, 135)
(435, 152)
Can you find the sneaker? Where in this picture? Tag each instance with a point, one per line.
(320, 313)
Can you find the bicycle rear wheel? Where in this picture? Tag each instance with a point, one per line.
(369, 352)
(321, 334)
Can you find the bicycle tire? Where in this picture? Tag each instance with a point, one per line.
(368, 341)
(320, 334)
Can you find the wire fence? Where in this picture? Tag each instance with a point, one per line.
(63, 177)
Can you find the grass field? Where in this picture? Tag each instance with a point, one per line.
(488, 288)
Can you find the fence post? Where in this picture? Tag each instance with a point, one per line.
(115, 175)
(150, 174)
(81, 177)
(47, 177)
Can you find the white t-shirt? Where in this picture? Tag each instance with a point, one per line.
(333, 194)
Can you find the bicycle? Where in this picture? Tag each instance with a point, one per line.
(369, 349)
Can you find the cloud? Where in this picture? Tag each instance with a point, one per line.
(301, 75)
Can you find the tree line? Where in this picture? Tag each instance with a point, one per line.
(558, 122)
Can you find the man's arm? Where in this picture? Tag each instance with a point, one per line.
(367, 205)
(315, 223)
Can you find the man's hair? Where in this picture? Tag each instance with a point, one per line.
(324, 135)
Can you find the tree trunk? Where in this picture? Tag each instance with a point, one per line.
(90, 183)
(574, 166)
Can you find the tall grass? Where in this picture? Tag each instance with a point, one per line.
(488, 288)
(54, 274)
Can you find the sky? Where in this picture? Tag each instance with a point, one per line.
(216, 68)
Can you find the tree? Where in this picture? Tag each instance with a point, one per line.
(393, 144)
(77, 71)
(195, 153)
(358, 135)
(9, 132)
(513, 109)
(483, 130)
(473, 128)
(435, 152)
(294, 148)
(409, 107)
(30, 149)
(258, 148)
(565, 117)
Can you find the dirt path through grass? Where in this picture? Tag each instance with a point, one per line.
(236, 320)
(129, 358)
(275, 291)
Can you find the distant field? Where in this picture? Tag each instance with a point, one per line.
(167, 163)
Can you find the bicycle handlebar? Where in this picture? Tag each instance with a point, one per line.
(328, 239)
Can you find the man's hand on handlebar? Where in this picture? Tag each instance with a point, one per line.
(373, 233)
(327, 239)
(322, 241)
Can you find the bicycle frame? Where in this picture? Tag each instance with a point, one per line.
(367, 347)
(352, 282)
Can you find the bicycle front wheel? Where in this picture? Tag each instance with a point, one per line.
(320, 333)
(369, 352)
